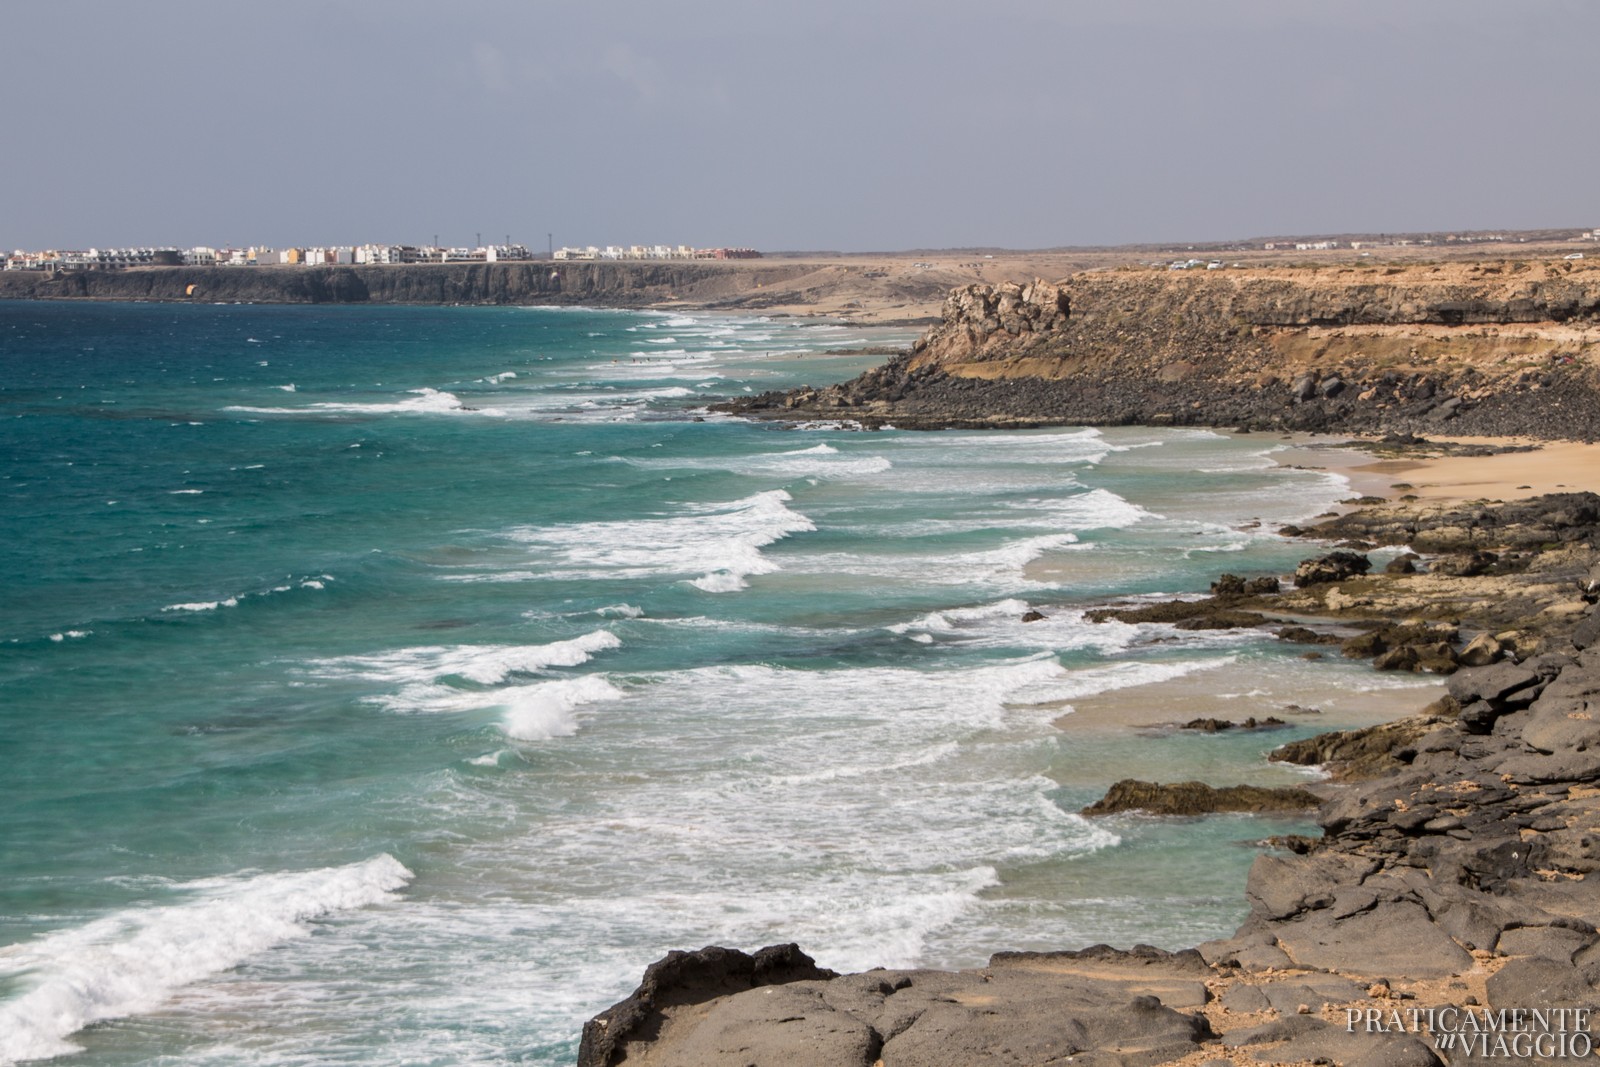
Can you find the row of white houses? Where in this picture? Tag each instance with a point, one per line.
(654, 252)
(254, 256)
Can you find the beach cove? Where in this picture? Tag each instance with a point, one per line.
(462, 652)
(1452, 845)
(494, 731)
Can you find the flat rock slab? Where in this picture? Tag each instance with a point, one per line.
(1395, 939)
(1020, 1016)
(1539, 983)
(1335, 1045)
(789, 1025)
(1253, 950)
(1283, 886)
(1314, 992)
(1140, 1032)
(1544, 942)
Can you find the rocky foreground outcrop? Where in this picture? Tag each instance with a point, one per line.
(1457, 888)
(1455, 883)
(1489, 348)
(1198, 798)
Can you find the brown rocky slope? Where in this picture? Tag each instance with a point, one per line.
(1486, 348)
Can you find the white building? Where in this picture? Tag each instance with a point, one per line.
(377, 254)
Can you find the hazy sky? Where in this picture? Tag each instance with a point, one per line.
(819, 124)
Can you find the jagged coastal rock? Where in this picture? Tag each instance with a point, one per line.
(1456, 870)
(1198, 798)
(1486, 348)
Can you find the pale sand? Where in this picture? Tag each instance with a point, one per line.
(1223, 694)
(1233, 693)
(1557, 467)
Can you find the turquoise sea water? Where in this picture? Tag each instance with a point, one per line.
(391, 685)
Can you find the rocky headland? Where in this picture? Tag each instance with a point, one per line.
(1487, 348)
(1450, 887)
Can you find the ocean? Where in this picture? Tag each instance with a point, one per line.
(391, 685)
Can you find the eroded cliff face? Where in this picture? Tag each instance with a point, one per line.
(985, 322)
(609, 284)
(1495, 348)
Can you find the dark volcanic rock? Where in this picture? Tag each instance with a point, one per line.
(1355, 755)
(1587, 632)
(1467, 830)
(1465, 565)
(1403, 564)
(1183, 614)
(689, 978)
(1231, 585)
(1119, 348)
(1334, 567)
(1197, 798)
(1212, 726)
(1306, 636)
(1464, 530)
(1024, 1008)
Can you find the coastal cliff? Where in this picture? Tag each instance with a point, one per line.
(615, 284)
(1487, 348)
(866, 289)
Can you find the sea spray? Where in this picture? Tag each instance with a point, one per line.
(131, 961)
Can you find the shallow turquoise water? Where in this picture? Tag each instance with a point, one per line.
(390, 685)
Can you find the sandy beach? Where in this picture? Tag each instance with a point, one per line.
(1555, 467)
(1301, 697)
(1550, 467)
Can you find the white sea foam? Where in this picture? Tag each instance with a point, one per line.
(286, 388)
(318, 582)
(895, 856)
(204, 605)
(483, 664)
(720, 542)
(1002, 568)
(184, 492)
(948, 620)
(822, 461)
(1076, 446)
(549, 709)
(1098, 509)
(1093, 681)
(619, 611)
(423, 402)
(131, 961)
(720, 582)
(461, 679)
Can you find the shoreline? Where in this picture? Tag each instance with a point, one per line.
(1527, 468)
(1349, 922)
